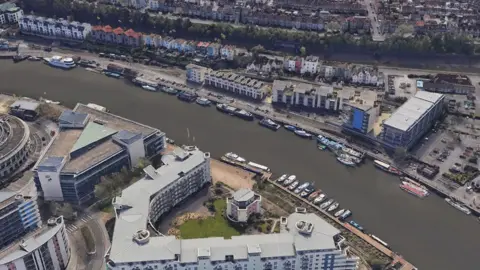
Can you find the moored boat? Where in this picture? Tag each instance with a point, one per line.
(203, 102)
(269, 123)
(320, 198)
(321, 147)
(290, 127)
(34, 58)
(314, 195)
(112, 74)
(333, 207)
(282, 178)
(413, 189)
(170, 90)
(61, 62)
(149, 88)
(458, 205)
(20, 58)
(293, 185)
(387, 167)
(345, 215)
(339, 213)
(307, 191)
(356, 225)
(243, 114)
(346, 160)
(186, 96)
(303, 134)
(289, 180)
(326, 204)
(234, 157)
(225, 108)
(301, 187)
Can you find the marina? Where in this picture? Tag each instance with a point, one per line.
(332, 174)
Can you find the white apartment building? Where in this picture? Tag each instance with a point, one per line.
(10, 13)
(237, 84)
(305, 241)
(51, 28)
(310, 65)
(46, 248)
(196, 73)
(3, 19)
(305, 95)
(365, 77)
(242, 204)
(154, 4)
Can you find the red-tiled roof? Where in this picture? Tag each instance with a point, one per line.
(118, 31)
(132, 33)
(97, 28)
(420, 23)
(107, 28)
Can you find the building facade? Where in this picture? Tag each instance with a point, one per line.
(196, 73)
(10, 13)
(52, 28)
(304, 95)
(242, 204)
(237, 84)
(413, 119)
(310, 65)
(47, 248)
(19, 215)
(14, 145)
(91, 144)
(305, 242)
(106, 34)
(362, 118)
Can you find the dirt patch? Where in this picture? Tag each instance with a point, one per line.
(231, 176)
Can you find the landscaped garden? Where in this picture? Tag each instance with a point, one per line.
(216, 225)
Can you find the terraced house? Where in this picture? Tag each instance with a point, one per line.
(91, 144)
(237, 84)
(54, 29)
(106, 34)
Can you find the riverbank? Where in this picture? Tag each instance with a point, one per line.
(427, 232)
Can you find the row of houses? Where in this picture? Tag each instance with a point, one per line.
(228, 81)
(10, 13)
(52, 28)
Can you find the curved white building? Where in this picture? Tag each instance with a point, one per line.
(44, 249)
(14, 142)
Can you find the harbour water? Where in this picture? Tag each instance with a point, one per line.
(428, 232)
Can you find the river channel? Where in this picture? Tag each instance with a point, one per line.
(429, 233)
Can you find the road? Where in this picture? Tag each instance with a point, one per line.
(372, 15)
(96, 261)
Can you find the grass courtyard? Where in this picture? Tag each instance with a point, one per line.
(209, 227)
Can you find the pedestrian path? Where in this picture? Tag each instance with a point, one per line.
(71, 228)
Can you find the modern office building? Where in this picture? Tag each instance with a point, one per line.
(46, 248)
(52, 28)
(88, 145)
(14, 145)
(305, 241)
(289, 93)
(413, 119)
(242, 204)
(19, 214)
(362, 118)
(237, 84)
(196, 73)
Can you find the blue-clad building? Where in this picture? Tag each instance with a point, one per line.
(361, 119)
(19, 214)
(91, 144)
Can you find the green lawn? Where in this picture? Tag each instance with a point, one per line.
(209, 227)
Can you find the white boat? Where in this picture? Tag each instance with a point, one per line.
(203, 102)
(346, 160)
(303, 134)
(301, 187)
(333, 207)
(34, 58)
(326, 204)
(282, 178)
(149, 88)
(345, 215)
(61, 62)
(458, 205)
(339, 212)
(235, 157)
(289, 180)
(293, 185)
(314, 195)
(320, 198)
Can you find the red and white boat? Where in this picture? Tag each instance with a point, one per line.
(414, 189)
(387, 167)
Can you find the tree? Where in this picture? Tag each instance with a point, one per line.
(303, 51)
(404, 30)
(257, 49)
(333, 26)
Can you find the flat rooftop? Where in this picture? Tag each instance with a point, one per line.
(412, 110)
(100, 126)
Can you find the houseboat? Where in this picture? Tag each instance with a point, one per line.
(386, 167)
(268, 123)
(203, 102)
(243, 114)
(303, 134)
(187, 97)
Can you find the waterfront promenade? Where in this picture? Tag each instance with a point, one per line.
(426, 232)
